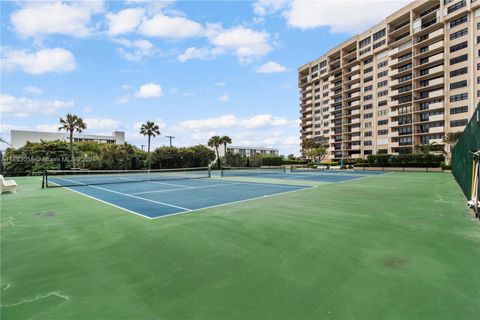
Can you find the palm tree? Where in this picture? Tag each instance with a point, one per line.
(225, 140)
(215, 142)
(451, 139)
(149, 129)
(71, 124)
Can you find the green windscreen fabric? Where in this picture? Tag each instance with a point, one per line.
(462, 157)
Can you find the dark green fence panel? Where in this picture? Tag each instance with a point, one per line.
(461, 155)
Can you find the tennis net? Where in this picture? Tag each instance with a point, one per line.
(71, 178)
(250, 171)
(305, 169)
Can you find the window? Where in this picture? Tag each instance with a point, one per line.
(367, 97)
(457, 110)
(382, 112)
(456, 6)
(382, 74)
(367, 79)
(458, 72)
(382, 64)
(382, 132)
(369, 60)
(368, 88)
(367, 70)
(368, 116)
(367, 134)
(365, 42)
(382, 103)
(368, 125)
(459, 97)
(458, 21)
(458, 123)
(379, 34)
(459, 46)
(368, 106)
(383, 122)
(367, 143)
(378, 44)
(382, 93)
(382, 83)
(458, 84)
(459, 34)
(463, 57)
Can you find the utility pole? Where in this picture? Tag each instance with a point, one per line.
(171, 138)
(142, 145)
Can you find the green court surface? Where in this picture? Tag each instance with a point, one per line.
(394, 246)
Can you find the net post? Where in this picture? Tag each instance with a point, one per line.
(209, 172)
(221, 172)
(44, 176)
(283, 169)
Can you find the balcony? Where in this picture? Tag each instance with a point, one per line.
(430, 49)
(394, 144)
(437, 117)
(429, 95)
(431, 37)
(430, 60)
(393, 134)
(400, 49)
(436, 130)
(430, 72)
(431, 83)
(394, 124)
(355, 120)
(356, 129)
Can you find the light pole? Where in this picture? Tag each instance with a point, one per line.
(171, 138)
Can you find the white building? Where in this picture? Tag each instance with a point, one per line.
(247, 151)
(20, 137)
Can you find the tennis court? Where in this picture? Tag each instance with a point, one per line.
(160, 193)
(299, 174)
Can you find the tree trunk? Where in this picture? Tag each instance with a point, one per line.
(71, 149)
(148, 152)
(218, 156)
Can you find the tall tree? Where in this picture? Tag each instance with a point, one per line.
(215, 142)
(451, 139)
(317, 153)
(71, 124)
(149, 129)
(225, 140)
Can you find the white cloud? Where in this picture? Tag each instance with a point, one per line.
(149, 90)
(264, 7)
(23, 107)
(136, 49)
(123, 99)
(200, 54)
(247, 44)
(38, 18)
(124, 21)
(42, 61)
(232, 121)
(271, 67)
(170, 27)
(5, 128)
(224, 98)
(101, 124)
(32, 90)
(356, 15)
(220, 84)
(47, 127)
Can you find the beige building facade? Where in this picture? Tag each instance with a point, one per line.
(404, 83)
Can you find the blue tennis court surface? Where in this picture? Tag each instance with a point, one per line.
(154, 199)
(160, 194)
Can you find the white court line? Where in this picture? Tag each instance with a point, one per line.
(179, 189)
(158, 182)
(106, 202)
(266, 184)
(132, 196)
(234, 202)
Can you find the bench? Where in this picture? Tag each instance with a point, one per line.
(7, 185)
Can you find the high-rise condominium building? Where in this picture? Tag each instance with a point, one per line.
(404, 83)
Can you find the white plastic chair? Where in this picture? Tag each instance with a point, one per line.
(7, 185)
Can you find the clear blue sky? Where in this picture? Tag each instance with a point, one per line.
(197, 68)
